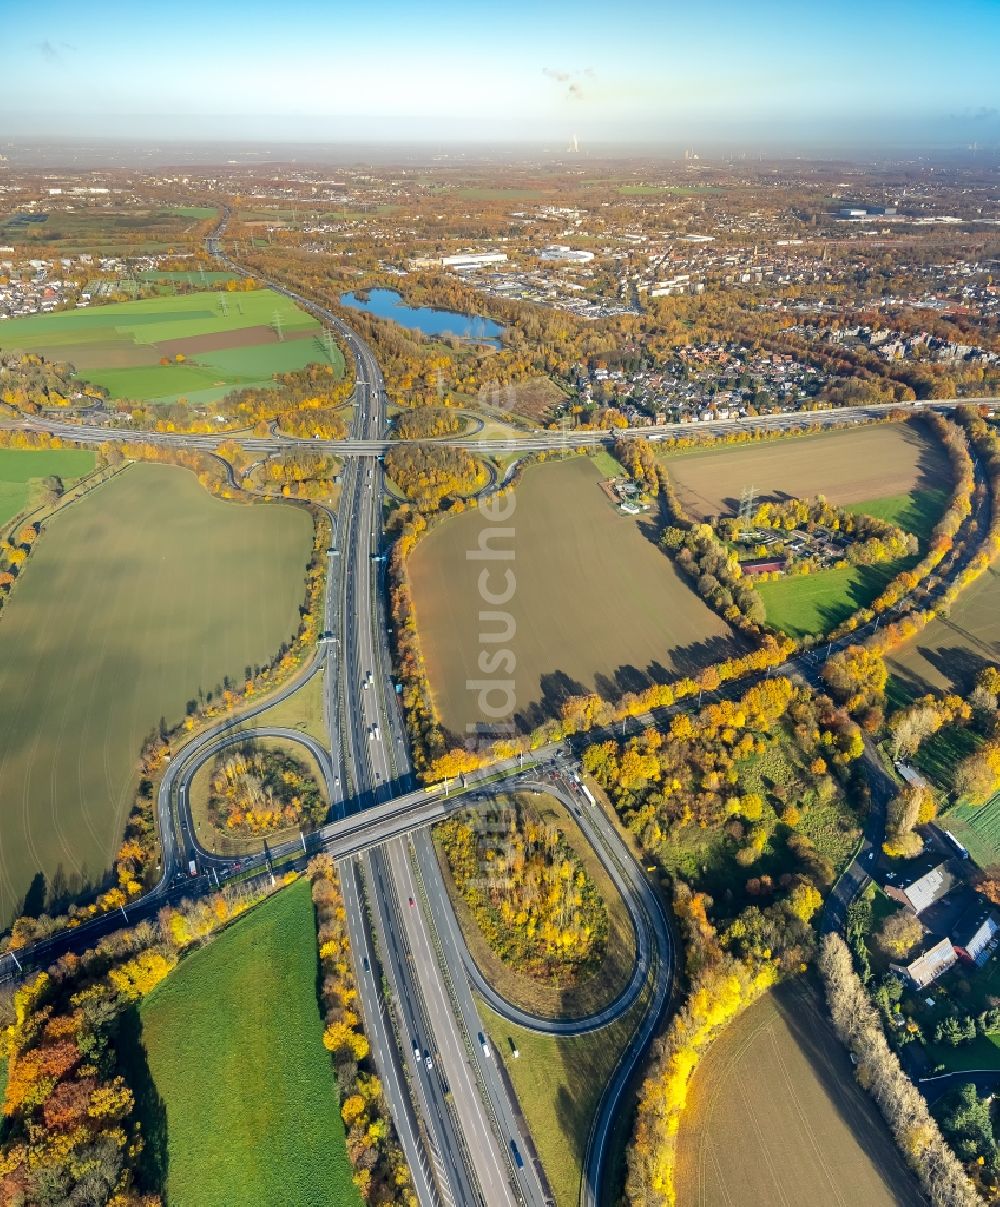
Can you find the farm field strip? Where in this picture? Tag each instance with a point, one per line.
(597, 606)
(977, 827)
(951, 650)
(774, 1115)
(225, 341)
(241, 1102)
(137, 597)
(869, 462)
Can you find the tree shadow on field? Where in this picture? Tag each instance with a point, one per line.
(958, 664)
(554, 688)
(150, 1109)
(933, 469)
(804, 1013)
(692, 658)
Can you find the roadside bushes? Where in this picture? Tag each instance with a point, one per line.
(380, 1170)
(878, 1070)
(70, 1133)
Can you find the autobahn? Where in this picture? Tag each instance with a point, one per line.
(454, 1116)
(373, 444)
(468, 1155)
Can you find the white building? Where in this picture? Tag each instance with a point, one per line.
(565, 254)
(479, 259)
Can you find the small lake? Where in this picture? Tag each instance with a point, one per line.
(387, 304)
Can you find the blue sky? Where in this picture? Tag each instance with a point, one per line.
(633, 70)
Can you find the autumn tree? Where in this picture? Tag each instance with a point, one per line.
(900, 933)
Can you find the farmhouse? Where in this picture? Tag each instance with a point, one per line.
(976, 934)
(921, 890)
(929, 964)
(762, 565)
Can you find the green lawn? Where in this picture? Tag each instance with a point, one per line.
(19, 468)
(237, 1093)
(915, 511)
(808, 605)
(304, 710)
(607, 465)
(983, 1052)
(136, 598)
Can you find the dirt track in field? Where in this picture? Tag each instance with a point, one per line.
(775, 1118)
(847, 467)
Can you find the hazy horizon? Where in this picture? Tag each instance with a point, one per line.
(771, 76)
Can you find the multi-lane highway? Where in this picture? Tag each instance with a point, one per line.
(460, 1130)
(370, 445)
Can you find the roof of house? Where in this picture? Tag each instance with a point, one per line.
(975, 919)
(930, 963)
(928, 886)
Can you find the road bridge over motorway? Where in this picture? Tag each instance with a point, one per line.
(454, 1115)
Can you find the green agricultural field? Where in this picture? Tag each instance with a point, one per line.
(237, 1095)
(916, 510)
(194, 277)
(952, 650)
(775, 1115)
(106, 230)
(596, 605)
(198, 212)
(811, 604)
(977, 827)
(136, 598)
(21, 468)
(226, 341)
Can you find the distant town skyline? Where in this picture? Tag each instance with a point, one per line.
(764, 75)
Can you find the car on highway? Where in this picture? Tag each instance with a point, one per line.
(412, 902)
(428, 1060)
(485, 1045)
(516, 1154)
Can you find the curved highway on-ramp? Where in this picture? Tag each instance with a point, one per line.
(456, 1123)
